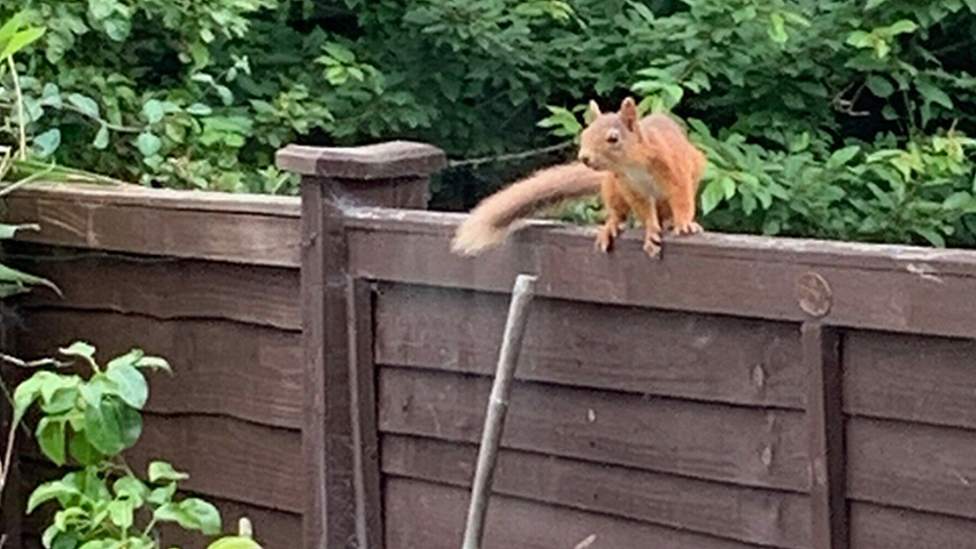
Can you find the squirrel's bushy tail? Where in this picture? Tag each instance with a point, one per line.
(491, 221)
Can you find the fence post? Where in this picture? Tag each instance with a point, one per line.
(342, 507)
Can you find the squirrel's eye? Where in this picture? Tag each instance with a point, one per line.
(613, 137)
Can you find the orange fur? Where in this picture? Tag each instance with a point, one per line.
(647, 166)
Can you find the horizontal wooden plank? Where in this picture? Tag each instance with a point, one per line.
(920, 379)
(889, 528)
(169, 199)
(161, 287)
(237, 237)
(743, 514)
(885, 288)
(913, 466)
(761, 448)
(219, 367)
(428, 516)
(710, 358)
(272, 528)
(227, 458)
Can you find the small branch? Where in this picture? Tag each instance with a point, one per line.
(509, 157)
(518, 315)
(40, 363)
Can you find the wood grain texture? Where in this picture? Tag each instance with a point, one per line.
(250, 238)
(161, 287)
(877, 527)
(432, 517)
(825, 422)
(227, 458)
(911, 378)
(913, 466)
(742, 514)
(219, 367)
(597, 346)
(744, 276)
(762, 448)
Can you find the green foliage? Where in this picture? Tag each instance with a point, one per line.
(90, 421)
(838, 119)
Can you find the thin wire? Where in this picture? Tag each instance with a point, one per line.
(511, 157)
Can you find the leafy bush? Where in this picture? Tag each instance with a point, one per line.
(201, 94)
(91, 421)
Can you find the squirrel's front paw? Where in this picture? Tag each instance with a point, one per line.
(605, 237)
(652, 245)
(689, 227)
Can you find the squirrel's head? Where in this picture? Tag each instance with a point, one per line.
(611, 136)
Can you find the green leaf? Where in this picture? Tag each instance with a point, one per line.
(101, 544)
(47, 538)
(120, 513)
(728, 187)
(21, 40)
(112, 426)
(777, 29)
(86, 105)
(153, 111)
(199, 109)
(130, 384)
(932, 236)
(902, 27)
(160, 470)
(873, 4)
(203, 513)
(130, 487)
(234, 542)
(712, 196)
(82, 450)
(880, 86)
(148, 144)
(49, 491)
(841, 157)
(66, 540)
(80, 349)
(154, 363)
(50, 437)
(47, 143)
(162, 495)
(933, 94)
(27, 392)
(12, 25)
(101, 138)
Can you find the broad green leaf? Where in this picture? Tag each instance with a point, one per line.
(933, 94)
(101, 138)
(902, 27)
(86, 105)
(203, 513)
(153, 111)
(49, 491)
(777, 29)
(199, 109)
(161, 470)
(841, 157)
(62, 400)
(80, 349)
(21, 40)
(112, 426)
(931, 236)
(66, 540)
(47, 143)
(101, 544)
(12, 25)
(130, 487)
(47, 538)
(82, 450)
(148, 144)
(162, 495)
(50, 437)
(120, 512)
(130, 384)
(27, 392)
(728, 187)
(874, 3)
(880, 86)
(234, 542)
(712, 196)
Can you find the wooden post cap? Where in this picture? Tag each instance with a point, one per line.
(392, 159)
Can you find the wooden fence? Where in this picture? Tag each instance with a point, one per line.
(741, 392)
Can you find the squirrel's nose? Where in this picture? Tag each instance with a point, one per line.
(585, 159)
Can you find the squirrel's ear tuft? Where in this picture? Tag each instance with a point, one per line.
(594, 109)
(628, 113)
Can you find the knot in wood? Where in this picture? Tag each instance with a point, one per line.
(813, 294)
